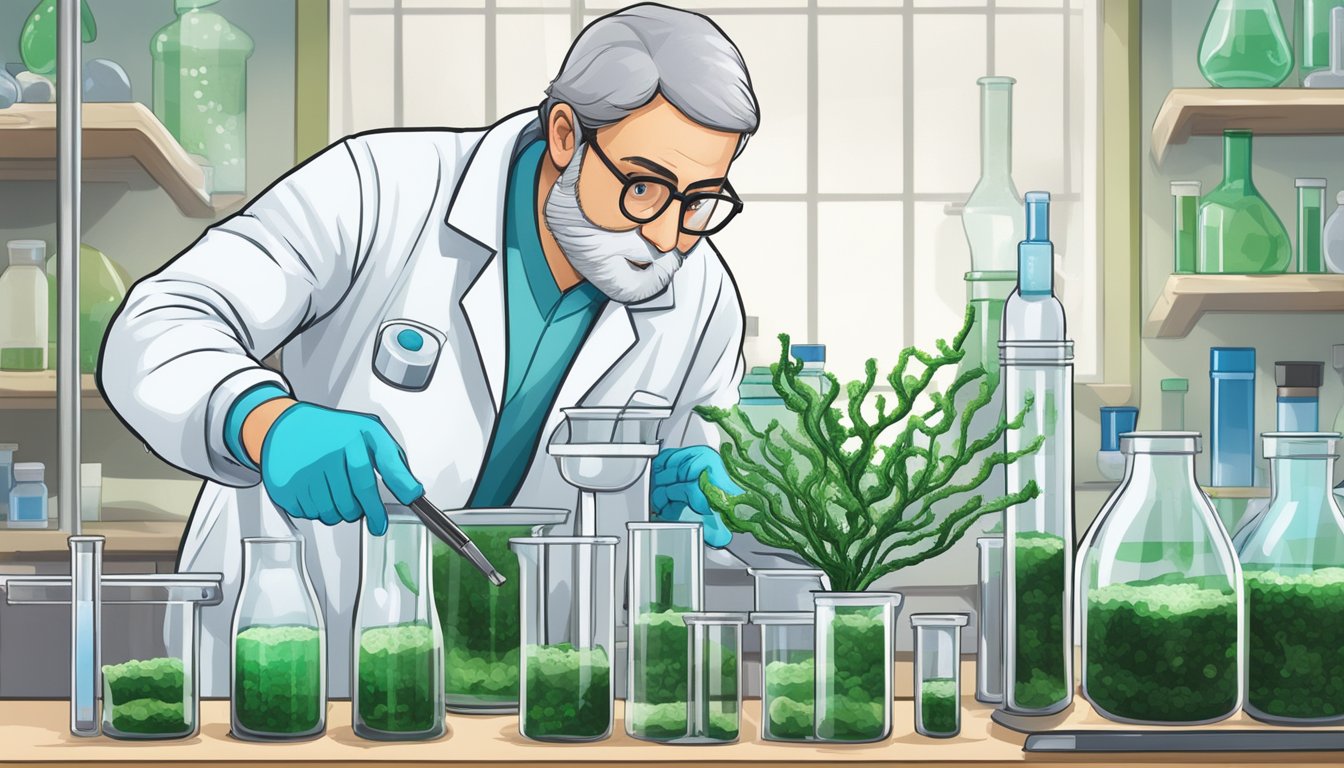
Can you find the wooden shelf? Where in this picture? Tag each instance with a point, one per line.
(37, 391)
(1186, 297)
(160, 538)
(1266, 111)
(119, 139)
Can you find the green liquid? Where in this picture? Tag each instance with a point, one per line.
(1295, 663)
(938, 707)
(1252, 49)
(656, 706)
(1164, 653)
(479, 620)
(790, 694)
(1187, 232)
(21, 358)
(1039, 666)
(1310, 253)
(567, 694)
(148, 698)
(856, 676)
(397, 667)
(277, 686)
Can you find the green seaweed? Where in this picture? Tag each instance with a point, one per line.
(938, 707)
(146, 717)
(1040, 642)
(277, 686)
(788, 701)
(148, 697)
(656, 704)
(1295, 660)
(397, 690)
(856, 679)
(567, 693)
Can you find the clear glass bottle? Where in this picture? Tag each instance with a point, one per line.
(938, 673)
(279, 646)
(23, 308)
(1245, 46)
(1333, 76)
(666, 581)
(1310, 226)
(714, 693)
(28, 497)
(398, 644)
(1185, 195)
(1232, 417)
(1239, 233)
(1294, 569)
(788, 675)
(992, 217)
(567, 631)
(1334, 237)
(1160, 592)
(989, 622)
(1312, 24)
(1173, 404)
(854, 665)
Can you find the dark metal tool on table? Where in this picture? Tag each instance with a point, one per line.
(440, 525)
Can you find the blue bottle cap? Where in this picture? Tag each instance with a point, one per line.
(411, 339)
(1231, 359)
(809, 353)
(1038, 217)
(1116, 422)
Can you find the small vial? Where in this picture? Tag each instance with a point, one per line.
(1186, 197)
(1114, 423)
(1173, 404)
(1232, 417)
(1299, 395)
(86, 607)
(1310, 225)
(28, 497)
(989, 623)
(938, 673)
(6, 476)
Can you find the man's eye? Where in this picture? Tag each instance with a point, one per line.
(641, 189)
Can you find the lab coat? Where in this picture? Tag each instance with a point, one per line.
(380, 227)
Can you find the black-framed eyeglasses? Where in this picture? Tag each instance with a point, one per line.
(644, 198)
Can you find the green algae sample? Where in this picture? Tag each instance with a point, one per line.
(856, 677)
(277, 686)
(397, 690)
(1162, 653)
(788, 700)
(148, 697)
(1039, 666)
(723, 721)
(148, 717)
(938, 707)
(656, 705)
(568, 693)
(1295, 661)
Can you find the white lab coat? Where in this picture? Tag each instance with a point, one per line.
(379, 227)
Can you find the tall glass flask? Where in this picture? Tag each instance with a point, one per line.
(1294, 569)
(1245, 46)
(1238, 232)
(279, 646)
(992, 217)
(1037, 364)
(1160, 594)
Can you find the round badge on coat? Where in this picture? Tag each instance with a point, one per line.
(406, 354)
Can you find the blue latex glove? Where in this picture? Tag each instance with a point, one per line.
(318, 464)
(676, 493)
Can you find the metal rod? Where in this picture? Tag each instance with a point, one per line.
(69, 76)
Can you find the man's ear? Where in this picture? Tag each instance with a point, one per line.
(561, 135)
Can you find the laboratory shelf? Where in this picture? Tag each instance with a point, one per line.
(1186, 297)
(143, 538)
(37, 391)
(1190, 112)
(119, 139)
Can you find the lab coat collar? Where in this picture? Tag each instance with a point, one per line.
(477, 206)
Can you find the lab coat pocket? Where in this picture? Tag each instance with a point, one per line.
(405, 354)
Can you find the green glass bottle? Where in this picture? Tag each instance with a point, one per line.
(37, 41)
(200, 88)
(1238, 232)
(1245, 46)
(102, 288)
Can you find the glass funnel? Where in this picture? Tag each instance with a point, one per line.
(1245, 46)
(1160, 594)
(1294, 569)
(1238, 232)
(992, 217)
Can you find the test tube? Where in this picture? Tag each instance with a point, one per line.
(1173, 404)
(1186, 197)
(1310, 225)
(1299, 395)
(86, 577)
(989, 623)
(938, 673)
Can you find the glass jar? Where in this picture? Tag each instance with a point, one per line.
(1312, 23)
(787, 589)
(398, 656)
(1310, 226)
(714, 700)
(1173, 404)
(854, 665)
(480, 620)
(992, 217)
(666, 581)
(1185, 194)
(279, 646)
(1160, 595)
(1294, 568)
(788, 679)
(567, 636)
(938, 673)
(1245, 46)
(1239, 233)
(989, 622)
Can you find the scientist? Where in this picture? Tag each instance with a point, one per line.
(447, 292)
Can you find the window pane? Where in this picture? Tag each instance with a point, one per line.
(766, 249)
(942, 259)
(437, 50)
(948, 3)
(1076, 282)
(362, 4)
(529, 52)
(431, 4)
(860, 3)
(549, 4)
(949, 57)
(859, 90)
(1029, 3)
(860, 286)
(706, 5)
(1030, 48)
(370, 68)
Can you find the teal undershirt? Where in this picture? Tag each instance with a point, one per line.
(545, 330)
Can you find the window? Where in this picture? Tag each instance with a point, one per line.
(869, 141)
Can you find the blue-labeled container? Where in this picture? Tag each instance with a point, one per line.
(28, 496)
(809, 353)
(1299, 395)
(1232, 417)
(1115, 421)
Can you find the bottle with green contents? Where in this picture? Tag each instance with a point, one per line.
(1245, 46)
(398, 646)
(1293, 563)
(1238, 232)
(1162, 616)
(1185, 194)
(200, 88)
(279, 646)
(102, 288)
(1310, 226)
(37, 41)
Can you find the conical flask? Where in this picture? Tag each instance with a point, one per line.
(1238, 232)
(1245, 46)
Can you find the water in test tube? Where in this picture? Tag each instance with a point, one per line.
(86, 576)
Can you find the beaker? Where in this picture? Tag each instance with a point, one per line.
(989, 622)
(788, 679)
(1310, 226)
(1160, 594)
(1244, 45)
(854, 665)
(787, 589)
(1173, 404)
(666, 581)
(1294, 568)
(1239, 233)
(480, 620)
(714, 701)
(992, 217)
(938, 673)
(1185, 195)
(398, 657)
(279, 653)
(565, 691)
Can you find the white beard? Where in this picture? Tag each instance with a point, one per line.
(600, 255)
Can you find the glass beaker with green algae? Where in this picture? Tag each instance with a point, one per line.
(398, 692)
(854, 665)
(1160, 594)
(1294, 569)
(788, 681)
(568, 623)
(714, 691)
(938, 673)
(480, 620)
(279, 646)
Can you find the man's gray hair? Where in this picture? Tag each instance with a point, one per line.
(621, 61)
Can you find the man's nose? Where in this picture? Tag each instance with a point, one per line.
(662, 232)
